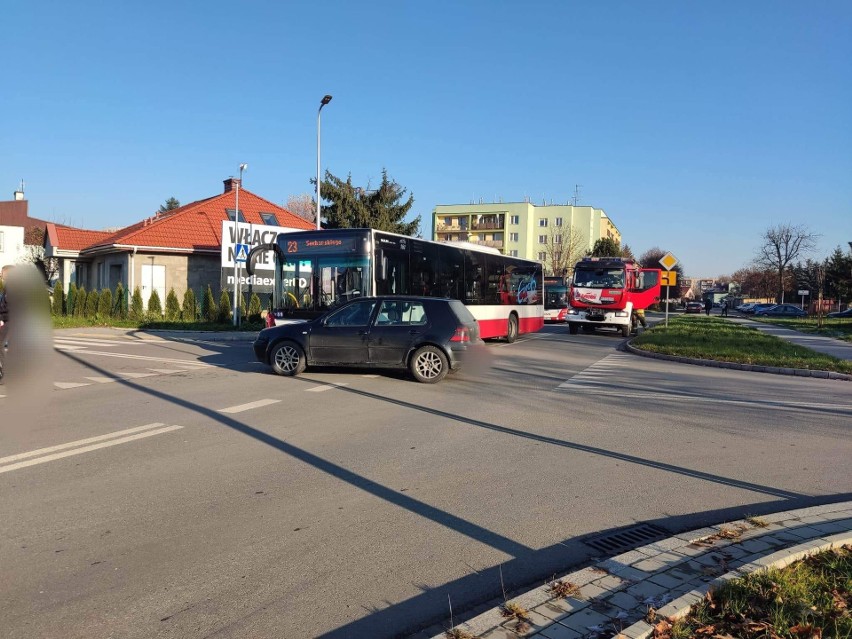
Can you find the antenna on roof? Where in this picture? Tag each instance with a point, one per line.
(576, 197)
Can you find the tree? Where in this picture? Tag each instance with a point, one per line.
(651, 259)
(781, 245)
(137, 306)
(209, 310)
(92, 300)
(105, 304)
(838, 275)
(172, 306)
(170, 205)
(564, 248)
(224, 307)
(302, 205)
(188, 311)
(354, 207)
(627, 252)
(72, 298)
(754, 282)
(155, 307)
(119, 308)
(58, 300)
(606, 247)
(80, 302)
(254, 308)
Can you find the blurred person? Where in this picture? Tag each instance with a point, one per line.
(639, 316)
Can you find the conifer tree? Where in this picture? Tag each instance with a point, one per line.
(155, 307)
(224, 307)
(254, 308)
(172, 306)
(355, 207)
(105, 304)
(72, 298)
(58, 300)
(242, 306)
(80, 302)
(92, 300)
(119, 308)
(188, 312)
(209, 309)
(137, 306)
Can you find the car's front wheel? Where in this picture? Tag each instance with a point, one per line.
(288, 359)
(429, 364)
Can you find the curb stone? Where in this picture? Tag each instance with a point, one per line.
(615, 593)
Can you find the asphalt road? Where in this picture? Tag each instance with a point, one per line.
(179, 489)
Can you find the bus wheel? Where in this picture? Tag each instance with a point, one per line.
(288, 359)
(573, 329)
(512, 330)
(429, 364)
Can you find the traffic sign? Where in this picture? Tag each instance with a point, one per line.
(804, 292)
(668, 261)
(241, 252)
(668, 278)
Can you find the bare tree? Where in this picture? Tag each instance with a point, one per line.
(564, 247)
(302, 205)
(781, 245)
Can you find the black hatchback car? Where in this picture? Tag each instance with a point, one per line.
(429, 336)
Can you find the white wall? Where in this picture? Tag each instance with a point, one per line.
(11, 245)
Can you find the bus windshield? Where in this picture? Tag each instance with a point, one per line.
(323, 282)
(599, 278)
(555, 297)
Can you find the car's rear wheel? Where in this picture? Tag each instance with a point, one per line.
(288, 359)
(429, 364)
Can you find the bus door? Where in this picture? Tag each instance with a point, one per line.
(341, 279)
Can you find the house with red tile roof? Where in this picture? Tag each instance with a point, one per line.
(17, 230)
(176, 249)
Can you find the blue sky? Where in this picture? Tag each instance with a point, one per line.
(695, 126)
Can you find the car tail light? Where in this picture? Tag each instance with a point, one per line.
(462, 335)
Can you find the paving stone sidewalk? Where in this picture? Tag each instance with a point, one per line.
(611, 597)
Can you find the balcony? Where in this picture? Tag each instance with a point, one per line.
(490, 223)
(451, 228)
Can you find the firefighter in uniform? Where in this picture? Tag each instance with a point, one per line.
(639, 316)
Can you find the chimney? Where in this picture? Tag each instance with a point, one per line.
(231, 184)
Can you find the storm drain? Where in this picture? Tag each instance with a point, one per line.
(626, 539)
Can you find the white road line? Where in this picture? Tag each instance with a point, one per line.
(319, 389)
(147, 358)
(136, 375)
(249, 406)
(69, 348)
(86, 449)
(167, 371)
(79, 442)
(104, 380)
(67, 385)
(83, 341)
(371, 376)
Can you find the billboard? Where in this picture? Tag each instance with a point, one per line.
(235, 239)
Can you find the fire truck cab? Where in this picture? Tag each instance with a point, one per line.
(606, 290)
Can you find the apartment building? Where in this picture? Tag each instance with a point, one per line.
(520, 229)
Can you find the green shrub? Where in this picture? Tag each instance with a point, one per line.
(242, 306)
(105, 304)
(209, 310)
(189, 311)
(71, 300)
(58, 300)
(92, 300)
(137, 307)
(254, 308)
(119, 307)
(172, 307)
(80, 302)
(155, 307)
(224, 307)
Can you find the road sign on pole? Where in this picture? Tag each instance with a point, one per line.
(241, 252)
(667, 279)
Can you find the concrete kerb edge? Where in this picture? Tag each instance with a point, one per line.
(798, 372)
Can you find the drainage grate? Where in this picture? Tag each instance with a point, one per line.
(626, 538)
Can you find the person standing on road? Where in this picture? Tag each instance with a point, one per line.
(708, 304)
(725, 308)
(639, 315)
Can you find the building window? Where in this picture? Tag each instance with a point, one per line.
(557, 239)
(269, 219)
(1, 241)
(231, 212)
(515, 219)
(542, 239)
(513, 237)
(498, 237)
(513, 253)
(558, 221)
(542, 222)
(542, 256)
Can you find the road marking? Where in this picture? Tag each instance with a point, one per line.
(69, 348)
(87, 449)
(136, 375)
(167, 371)
(147, 358)
(249, 406)
(371, 376)
(104, 380)
(600, 369)
(319, 389)
(66, 385)
(85, 341)
(79, 442)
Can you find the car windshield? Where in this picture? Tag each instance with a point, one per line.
(599, 278)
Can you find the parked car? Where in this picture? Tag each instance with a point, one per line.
(757, 307)
(694, 307)
(781, 310)
(742, 308)
(428, 336)
(846, 313)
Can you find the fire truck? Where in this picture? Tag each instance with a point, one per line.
(606, 290)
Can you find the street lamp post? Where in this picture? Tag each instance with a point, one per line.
(243, 167)
(324, 101)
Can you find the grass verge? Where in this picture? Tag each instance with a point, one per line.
(839, 328)
(718, 339)
(810, 598)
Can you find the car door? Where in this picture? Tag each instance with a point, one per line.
(341, 338)
(398, 325)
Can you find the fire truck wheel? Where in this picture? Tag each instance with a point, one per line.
(625, 330)
(573, 329)
(512, 329)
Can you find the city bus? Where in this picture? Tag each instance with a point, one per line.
(316, 270)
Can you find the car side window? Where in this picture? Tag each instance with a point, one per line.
(399, 313)
(357, 314)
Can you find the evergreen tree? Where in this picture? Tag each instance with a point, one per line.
(254, 308)
(80, 302)
(170, 205)
(137, 306)
(209, 310)
(119, 308)
(105, 304)
(58, 300)
(224, 307)
(606, 247)
(155, 307)
(71, 300)
(92, 300)
(188, 312)
(354, 207)
(242, 306)
(172, 307)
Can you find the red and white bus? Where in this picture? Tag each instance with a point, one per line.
(314, 270)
